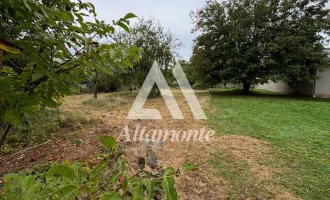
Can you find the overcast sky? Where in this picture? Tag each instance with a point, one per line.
(173, 15)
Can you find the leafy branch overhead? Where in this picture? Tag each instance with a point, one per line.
(59, 46)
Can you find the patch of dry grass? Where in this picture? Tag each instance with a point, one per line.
(108, 101)
(48, 124)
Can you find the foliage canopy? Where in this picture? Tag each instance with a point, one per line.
(57, 45)
(253, 41)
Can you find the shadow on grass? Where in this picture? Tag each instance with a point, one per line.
(262, 94)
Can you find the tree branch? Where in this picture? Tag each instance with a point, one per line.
(74, 55)
(67, 69)
(71, 58)
(5, 133)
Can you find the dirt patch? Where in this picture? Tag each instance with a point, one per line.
(206, 183)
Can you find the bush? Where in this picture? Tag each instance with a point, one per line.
(105, 83)
(109, 83)
(110, 179)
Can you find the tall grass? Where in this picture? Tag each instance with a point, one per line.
(109, 101)
(48, 124)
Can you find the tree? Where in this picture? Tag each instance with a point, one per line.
(156, 43)
(253, 41)
(57, 46)
(201, 70)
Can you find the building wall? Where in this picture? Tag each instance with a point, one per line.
(280, 88)
(322, 88)
(304, 89)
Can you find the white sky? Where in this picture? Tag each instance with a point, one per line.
(172, 14)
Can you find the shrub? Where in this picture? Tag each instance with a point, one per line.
(110, 179)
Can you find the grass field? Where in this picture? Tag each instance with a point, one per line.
(267, 147)
(297, 128)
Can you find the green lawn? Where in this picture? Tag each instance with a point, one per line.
(298, 128)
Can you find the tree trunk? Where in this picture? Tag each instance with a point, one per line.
(4, 134)
(95, 85)
(95, 93)
(246, 87)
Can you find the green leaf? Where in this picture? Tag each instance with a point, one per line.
(168, 187)
(27, 182)
(113, 178)
(123, 25)
(9, 177)
(111, 195)
(76, 28)
(61, 170)
(6, 69)
(29, 109)
(49, 103)
(122, 165)
(92, 6)
(99, 168)
(92, 187)
(44, 12)
(35, 188)
(25, 76)
(48, 190)
(84, 27)
(129, 16)
(67, 192)
(37, 76)
(53, 76)
(11, 56)
(62, 15)
(78, 171)
(189, 167)
(169, 171)
(108, 142)
(71, 194)
(125, 184)
(150, 185)
(137, 191)
(27, 5)
(110, 29)
(12, 186)
(39, 16)
(13, 116)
